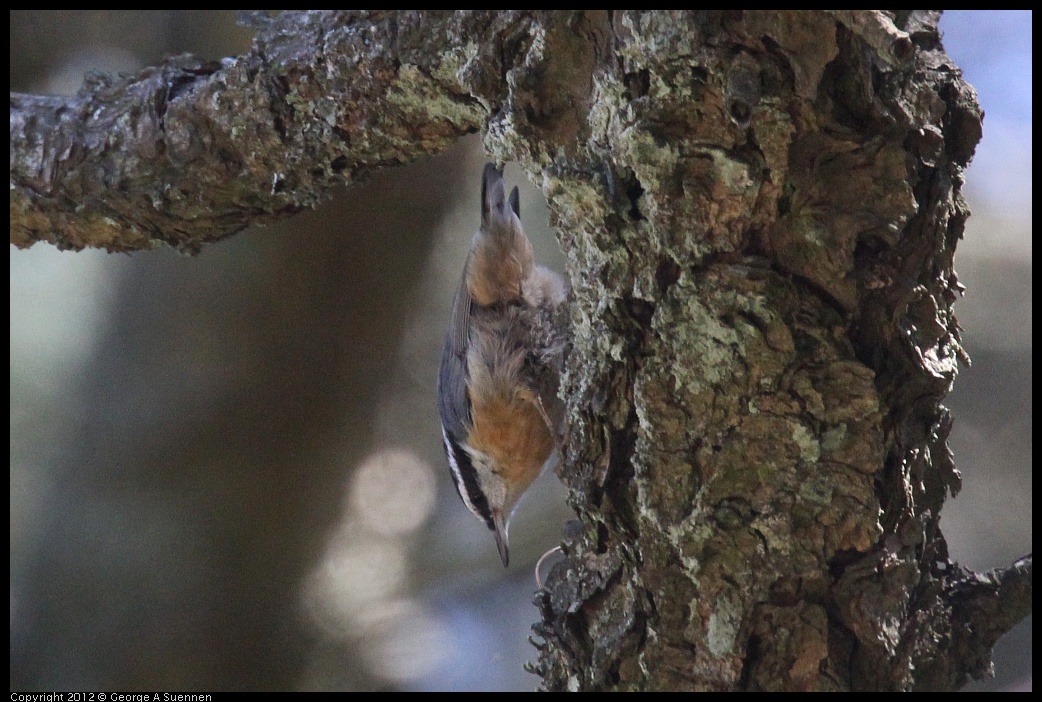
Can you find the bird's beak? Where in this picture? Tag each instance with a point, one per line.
(502, 538)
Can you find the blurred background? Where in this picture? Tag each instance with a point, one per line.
(226, 471)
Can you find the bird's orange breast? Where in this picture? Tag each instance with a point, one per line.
(513, 433)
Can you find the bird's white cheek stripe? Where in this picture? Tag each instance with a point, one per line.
(457, 476)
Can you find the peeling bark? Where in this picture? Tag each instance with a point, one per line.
(760, 217)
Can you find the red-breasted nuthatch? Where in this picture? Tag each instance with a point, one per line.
(497, 385)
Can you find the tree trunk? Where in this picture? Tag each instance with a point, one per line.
(760, 212)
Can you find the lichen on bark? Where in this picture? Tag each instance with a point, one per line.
(760, 216)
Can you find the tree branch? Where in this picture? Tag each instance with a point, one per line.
(985, 606)
(189, 152)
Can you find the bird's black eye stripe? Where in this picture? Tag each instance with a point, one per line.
(467, 480)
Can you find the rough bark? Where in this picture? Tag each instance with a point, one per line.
(189, 152)
(759, 211)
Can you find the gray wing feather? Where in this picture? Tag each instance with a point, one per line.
(453, 402)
